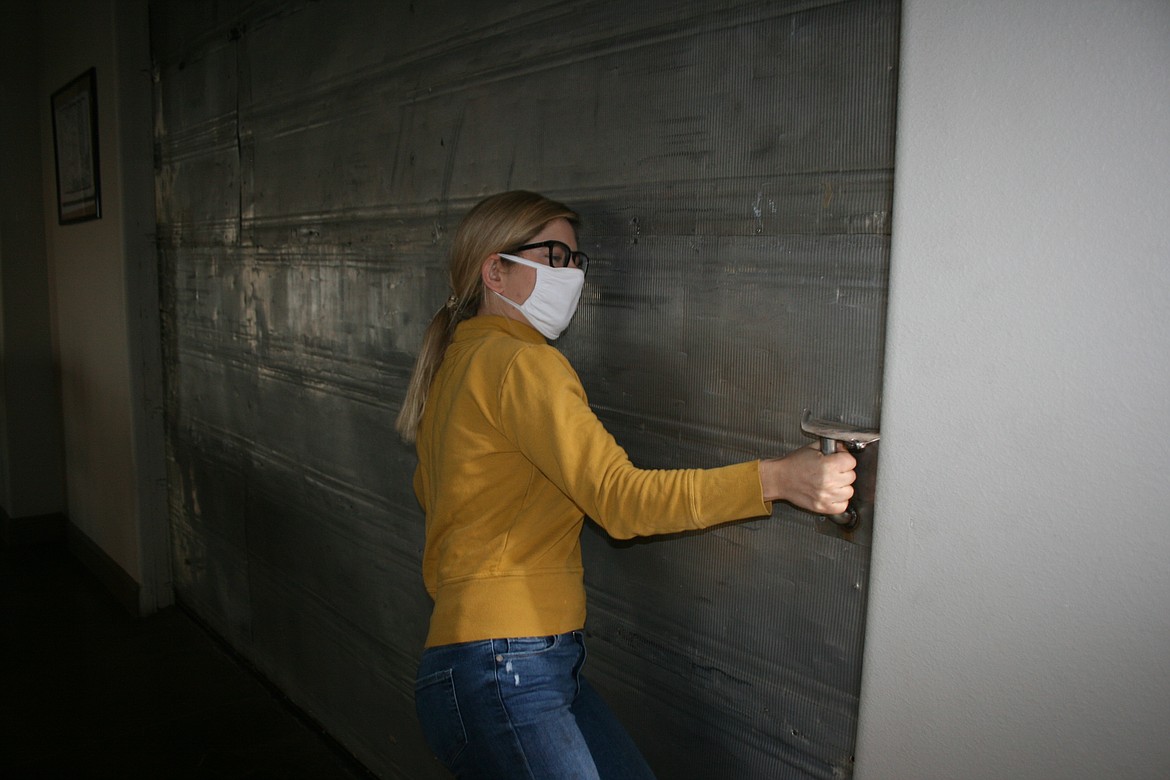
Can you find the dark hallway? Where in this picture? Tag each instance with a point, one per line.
(91, 692)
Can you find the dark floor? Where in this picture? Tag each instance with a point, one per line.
(88, 691)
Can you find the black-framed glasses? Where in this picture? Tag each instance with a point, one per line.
(559, 254)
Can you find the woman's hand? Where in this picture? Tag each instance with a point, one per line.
(818, 483)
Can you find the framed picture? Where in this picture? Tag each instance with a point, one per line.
(75, 138)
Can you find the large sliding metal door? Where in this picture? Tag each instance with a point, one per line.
(734, 164)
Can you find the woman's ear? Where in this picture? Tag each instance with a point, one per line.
(492, 271)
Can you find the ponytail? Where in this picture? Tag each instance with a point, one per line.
(434, 346)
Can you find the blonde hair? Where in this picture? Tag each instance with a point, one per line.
(495, 224)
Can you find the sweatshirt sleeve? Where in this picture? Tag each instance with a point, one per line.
(544, 410)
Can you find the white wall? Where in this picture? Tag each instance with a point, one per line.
(104, 285)
(89, 295)
(1019, 623)
(31, 479)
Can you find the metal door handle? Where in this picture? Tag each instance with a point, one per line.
(829, 433)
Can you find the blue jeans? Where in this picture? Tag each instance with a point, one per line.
(513, 709)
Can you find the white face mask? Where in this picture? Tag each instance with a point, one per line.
(553, 301)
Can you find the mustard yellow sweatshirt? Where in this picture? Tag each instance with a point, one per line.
(511, 459)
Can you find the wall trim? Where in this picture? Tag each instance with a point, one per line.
(121, 585)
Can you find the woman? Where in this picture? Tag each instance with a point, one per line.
(511, 459)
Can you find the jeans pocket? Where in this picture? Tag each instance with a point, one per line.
(438, 714)
(518, 647)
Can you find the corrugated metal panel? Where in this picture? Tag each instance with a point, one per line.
(733, 163)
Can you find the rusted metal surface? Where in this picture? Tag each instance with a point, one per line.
(733, 164)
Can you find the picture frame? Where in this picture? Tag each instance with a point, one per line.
(75, 141)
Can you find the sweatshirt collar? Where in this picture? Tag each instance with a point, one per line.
(490, 323)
